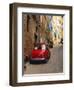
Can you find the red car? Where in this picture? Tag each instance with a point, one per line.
(40, 55)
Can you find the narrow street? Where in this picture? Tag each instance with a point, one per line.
(54, 65)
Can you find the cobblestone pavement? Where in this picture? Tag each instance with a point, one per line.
(54, 65)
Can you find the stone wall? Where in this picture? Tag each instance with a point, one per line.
(34, 24)
(57, 30)
(29, 34)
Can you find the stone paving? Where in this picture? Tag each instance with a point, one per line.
(54, 65)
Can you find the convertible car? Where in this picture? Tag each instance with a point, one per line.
(40, 54)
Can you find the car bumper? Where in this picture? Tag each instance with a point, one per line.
(38, 60)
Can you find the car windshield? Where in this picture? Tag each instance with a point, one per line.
(40, 46)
